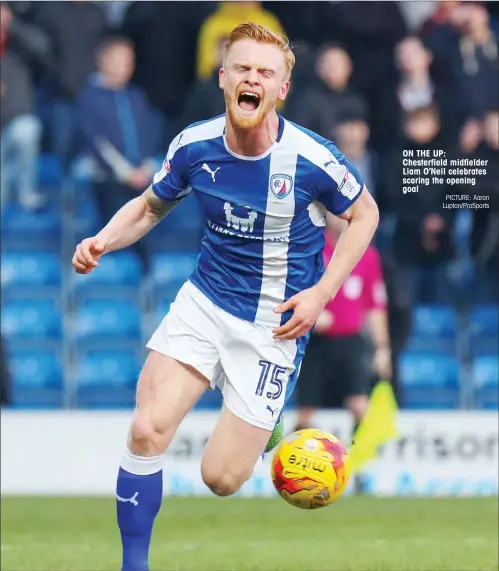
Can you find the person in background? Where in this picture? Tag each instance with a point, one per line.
(417, 89)
(329, 98)
(336, 370)
(164, 35)
(21, 129)
(484, 240)
(76, 29)
(423, 243)
(466, 60)
(219, 25)
(205, 99)
(351, 135)
(117, 127)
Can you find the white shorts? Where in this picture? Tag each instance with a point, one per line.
(255, 372)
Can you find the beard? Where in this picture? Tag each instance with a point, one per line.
(242, 120)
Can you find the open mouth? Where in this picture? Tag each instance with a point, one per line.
(248, 101)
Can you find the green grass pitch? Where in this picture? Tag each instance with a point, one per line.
(360, 533)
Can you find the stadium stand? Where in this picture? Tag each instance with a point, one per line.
(430, 381)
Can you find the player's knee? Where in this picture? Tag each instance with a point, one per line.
(221, 483)
(147, 437)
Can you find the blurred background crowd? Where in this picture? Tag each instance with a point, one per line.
(91, 95)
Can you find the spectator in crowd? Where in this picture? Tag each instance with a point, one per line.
(485, 228)
(330, 97)
(337, 369)
(165, 36)
(423, 239)
(465, 59)
(221, 23)
(369, 32)
(417, 89)
(76, 29)
(117, 127)
(351, 135)
(21, 128)
(206, 99)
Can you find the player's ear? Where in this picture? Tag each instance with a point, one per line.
(283, 90)
(221, 78)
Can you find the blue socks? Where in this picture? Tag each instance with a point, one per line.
(139, 492)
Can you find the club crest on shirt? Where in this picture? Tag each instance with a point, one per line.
(281, 185)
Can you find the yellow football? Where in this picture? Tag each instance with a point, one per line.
(310, 469)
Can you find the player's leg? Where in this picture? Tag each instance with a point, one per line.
(182, 363)
(357, 375)
(355, 355)
(166, 391)
(259, 376)
(230, 456)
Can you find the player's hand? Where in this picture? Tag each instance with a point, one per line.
(307, 306)
(87, 255)
(382, 362)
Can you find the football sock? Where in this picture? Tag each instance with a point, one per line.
(139, 491)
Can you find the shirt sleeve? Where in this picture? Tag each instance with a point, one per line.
(171, 182)
(338, 184)
(375, 290)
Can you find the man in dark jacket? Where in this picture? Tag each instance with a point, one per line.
(165, 38)
(330, 98)
(423, 240)
(485, 225)
(206, 99)
(76, 29)
(118, 130)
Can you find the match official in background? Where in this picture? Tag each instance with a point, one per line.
(338, 367)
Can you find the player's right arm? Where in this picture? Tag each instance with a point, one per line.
(138, 216)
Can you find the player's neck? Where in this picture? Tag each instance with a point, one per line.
(252, 142)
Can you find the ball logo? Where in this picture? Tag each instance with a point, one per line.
(281, 185)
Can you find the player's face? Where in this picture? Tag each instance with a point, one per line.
(253, 78)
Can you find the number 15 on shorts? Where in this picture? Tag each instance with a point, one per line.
(276, 373)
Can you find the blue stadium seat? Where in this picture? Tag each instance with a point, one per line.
(49, 171)
(36, 379)
(107, 380)
(33, 321)
(429, 381)
(32, 272)
(485, 373)
(25, 229)
(484, 328)
(107, 321)
(87, 220)
(169, 272)
(435, 328)
(119, 273)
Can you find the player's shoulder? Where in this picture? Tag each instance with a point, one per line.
(315, 148)
(202, 131)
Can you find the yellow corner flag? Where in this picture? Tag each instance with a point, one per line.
(377, 427)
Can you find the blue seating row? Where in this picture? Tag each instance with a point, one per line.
(108, 379)
(102, 380)
(432, 381)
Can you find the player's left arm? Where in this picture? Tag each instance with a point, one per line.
(344, 194)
